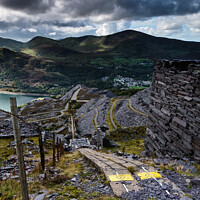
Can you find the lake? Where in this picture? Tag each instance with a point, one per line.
(21, 99)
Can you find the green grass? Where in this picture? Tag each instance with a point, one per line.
(132, 169)
(10, 189)
(30, 52)
(135, 146)
(131, 138)
(137, 88)
(126, 92)
(5, 152)
(129, 133)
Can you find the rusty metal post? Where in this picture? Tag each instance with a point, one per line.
(19, 149)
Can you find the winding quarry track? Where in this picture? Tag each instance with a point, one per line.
(134, 110)
(62, 112)
(113, 165)
(96, 118)
(111, 114)
(74, 96)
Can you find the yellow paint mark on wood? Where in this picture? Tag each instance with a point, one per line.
(148, 175)
(121, 177)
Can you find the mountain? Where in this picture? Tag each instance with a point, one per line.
(46, 47)
(95, 61)
(126, 43)
(11, 44)
(137, 44)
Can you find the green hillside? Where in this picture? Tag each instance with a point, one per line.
(51, 66)
(11, 44)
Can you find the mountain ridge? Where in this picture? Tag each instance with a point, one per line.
(126, 42)
(52, 66)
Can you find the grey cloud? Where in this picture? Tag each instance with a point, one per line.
(136, 9)
(73, 23)
(20, 28)
(88, 7)
(4, 24)
(118, 9)
(23, 23)
(152, 8)
(33, 6)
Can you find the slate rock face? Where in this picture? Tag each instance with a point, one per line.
(174, 110)
(69, 94)
(141, 99)
(126, 117)
(87, 112)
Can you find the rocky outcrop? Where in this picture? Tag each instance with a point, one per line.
(6, 129)
(141, 99)
(3, 115)
(85, 125)
(69, 94)
(174, 122)
(87, 112)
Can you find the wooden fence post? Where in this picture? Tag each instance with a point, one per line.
(54, 150)
(19, 149)
(42, 156)
(62, 148)
(58, 154)
(73, 129)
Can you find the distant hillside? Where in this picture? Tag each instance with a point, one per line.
(126, 43)
(137, 44)
(54, 65)
(6, 54)
(11, 44)
(45, 47)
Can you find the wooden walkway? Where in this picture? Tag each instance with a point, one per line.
(113, 165)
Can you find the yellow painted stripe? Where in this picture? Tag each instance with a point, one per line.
(148, 175)
(121, 177)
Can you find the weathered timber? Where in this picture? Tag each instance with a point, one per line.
(19, 149)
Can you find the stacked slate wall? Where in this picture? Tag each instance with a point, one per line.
(174, 113)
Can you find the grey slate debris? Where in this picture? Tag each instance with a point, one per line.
(141, 100)
(126, 117)
(181, 182)
(151, 189)
(6, 130)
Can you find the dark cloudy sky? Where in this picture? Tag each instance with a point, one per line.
(24, 19)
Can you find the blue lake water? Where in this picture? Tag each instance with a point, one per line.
(21, 99)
